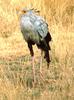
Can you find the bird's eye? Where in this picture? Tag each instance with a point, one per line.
(24, 11)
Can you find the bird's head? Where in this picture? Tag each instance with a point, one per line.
(25, 10)
(20, 11)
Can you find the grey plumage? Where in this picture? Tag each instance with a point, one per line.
(33, 27)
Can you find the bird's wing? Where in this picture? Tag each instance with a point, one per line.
(40, 25)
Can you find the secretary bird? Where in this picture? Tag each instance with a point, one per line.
(35, 31)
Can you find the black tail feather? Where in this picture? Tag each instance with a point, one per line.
(48, 39)
(44, 45)
(47, 57)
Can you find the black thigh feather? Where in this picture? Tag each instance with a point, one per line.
(44, 45)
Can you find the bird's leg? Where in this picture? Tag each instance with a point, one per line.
(47, 65)
(33, 67)
(41, 58)
(41, 61)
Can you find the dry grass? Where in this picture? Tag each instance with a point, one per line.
(15, 62)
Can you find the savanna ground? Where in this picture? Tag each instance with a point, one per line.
(57, 83)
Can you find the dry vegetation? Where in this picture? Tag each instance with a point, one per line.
(15, 61)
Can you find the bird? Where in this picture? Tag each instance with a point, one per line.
(35, 31)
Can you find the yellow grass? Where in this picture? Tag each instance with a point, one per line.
(59, 15)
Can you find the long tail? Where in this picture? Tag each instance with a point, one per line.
(44, 45)
(47, 57)
(48, 38)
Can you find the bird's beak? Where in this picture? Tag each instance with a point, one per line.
(17, 11)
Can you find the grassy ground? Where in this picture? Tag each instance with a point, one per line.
(16, 80)
(16, 76)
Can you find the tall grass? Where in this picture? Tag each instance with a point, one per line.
(15, 62)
